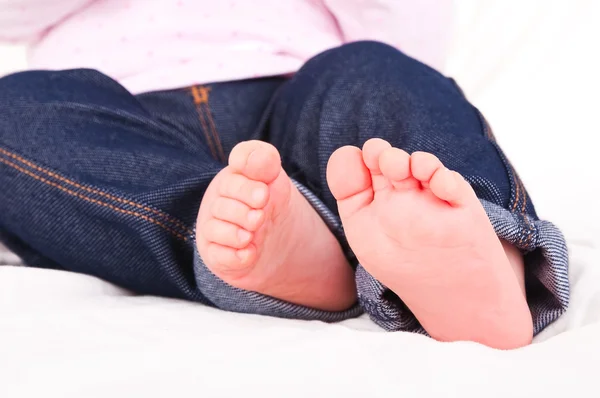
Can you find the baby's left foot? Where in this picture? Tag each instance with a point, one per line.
(257, 232)
(420, 230)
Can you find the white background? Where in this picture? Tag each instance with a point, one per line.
(533, 68)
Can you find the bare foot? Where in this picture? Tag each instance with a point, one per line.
(257, 232)
(420, 230)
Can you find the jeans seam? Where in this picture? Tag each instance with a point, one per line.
(518, 191)
(487, 131)
(213, 128)
(516, 181)
(530, 226)
(79, 195)
(524, 204)
(520, 194)
(520, 188)
(200, 95)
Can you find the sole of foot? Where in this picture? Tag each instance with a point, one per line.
(420, 229)
(257, 232)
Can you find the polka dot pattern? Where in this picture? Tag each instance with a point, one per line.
(161, 44)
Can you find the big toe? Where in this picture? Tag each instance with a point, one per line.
(256, 160)
(349, 180)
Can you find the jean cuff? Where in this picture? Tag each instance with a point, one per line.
(546, 275)
(546, 261)
(229, 298)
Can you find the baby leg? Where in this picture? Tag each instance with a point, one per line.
(364, 90)
(98, 181)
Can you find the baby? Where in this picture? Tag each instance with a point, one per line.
(261, 157)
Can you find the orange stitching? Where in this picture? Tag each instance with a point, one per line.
(524, 204)
(201, 97)
(211, 144)
(519, 185)
(524, 196)
(200, 94)
(529, 234)
(527, 221)
(215, 133)
(95, 191)
(528, 241)
(515, 182)
(94, 201)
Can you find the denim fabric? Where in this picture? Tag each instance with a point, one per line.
(99, 181)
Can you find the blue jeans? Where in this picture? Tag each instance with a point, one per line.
(99, 181)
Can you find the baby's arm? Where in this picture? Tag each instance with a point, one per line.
(421, 29)
(22, 21)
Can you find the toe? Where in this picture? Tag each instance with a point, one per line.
(372, 150)
(451, 186)
(256, 160)
(228, 259)
(349, 180)
(226, 234)
(253, 193)
(236, 212)
(394, 164)
(423, 165)
(247, 255)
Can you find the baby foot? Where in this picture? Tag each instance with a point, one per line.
(419, 229)
(257, 232)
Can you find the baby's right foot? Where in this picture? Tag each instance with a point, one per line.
(257, 232)
(420, 229)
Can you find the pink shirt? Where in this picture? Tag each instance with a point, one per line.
(151, 45)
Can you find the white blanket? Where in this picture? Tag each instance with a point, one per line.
(526, 65)
(68, 335)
